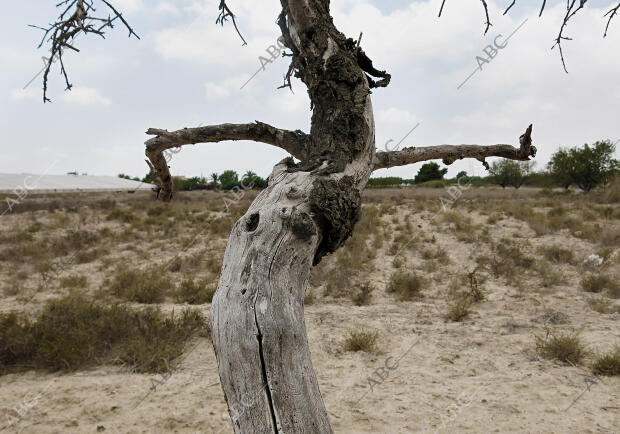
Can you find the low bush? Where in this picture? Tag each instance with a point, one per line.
(363, 295)
(607, 364)
(405, 285)
(600, 282)
(73, 332)
(361, 341)
(557, 254)
(565, 347)
(195, 292)
(142, 286)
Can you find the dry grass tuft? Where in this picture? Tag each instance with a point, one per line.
(361, 341)
(565, 347)
(607, 364)
(363, 295)
(603, 305)
(459, 309)
(405, 285)
(142, 286)
(193, 291)
(600, 282)
(557, 254)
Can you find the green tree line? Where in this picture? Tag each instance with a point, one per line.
(584, 167)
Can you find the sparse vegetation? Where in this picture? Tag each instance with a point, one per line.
(557, 254)
(363, 295)
(597, 283)
(405, 285)
(78, 241)
(194, 291)
(73, 332)
(603, 305)
(74, 282)
(608, 363)
(459, 309)
(565, 347)
(362, 340)
(142, 286)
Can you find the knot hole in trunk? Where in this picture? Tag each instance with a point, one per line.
(252, 222)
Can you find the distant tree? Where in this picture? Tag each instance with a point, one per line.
(385, 182)
(147, 178)
(120, 175)
(430, 172)
(508, 172)
(194, 183)
(461, 174)
(252, 180)
(73, 173)
(585, 167)
(229, 179)
(560, 167)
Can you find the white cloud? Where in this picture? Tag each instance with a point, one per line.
(216, 91)
(202, 41)
(396, 116)
(128, 6)
(29, 93)
(85, 96)
(165, 8)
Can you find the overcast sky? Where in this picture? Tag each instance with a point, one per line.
(187, 71)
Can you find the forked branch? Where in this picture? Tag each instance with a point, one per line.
(225, 15)
(77, 16)
(450, 153)
(296, 143)
(611, 14)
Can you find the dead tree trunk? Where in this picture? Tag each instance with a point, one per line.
(307, 211)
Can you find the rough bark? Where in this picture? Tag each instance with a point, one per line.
(450, 153)
(295, 142)
(308, 210)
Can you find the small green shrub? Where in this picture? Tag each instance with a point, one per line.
(607, 364)
(599, 282)
(602, 305)
(122, 216)
(405, 285)
(557, 254)
(142, 286)
(361, 341)
(195, 292)
(506, 259)
(74, 282)
(459, 309)
(363, 295)
(493, 218)
(565, 347)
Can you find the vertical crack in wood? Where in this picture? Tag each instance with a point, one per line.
(263, 368)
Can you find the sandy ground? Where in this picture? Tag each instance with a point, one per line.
(429, 375)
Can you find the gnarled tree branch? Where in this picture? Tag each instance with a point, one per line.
(225, 14)
(294, 142)
(611, 14)
(77, 16)
(450, 153)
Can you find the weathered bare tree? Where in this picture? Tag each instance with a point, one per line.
(307, 211)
